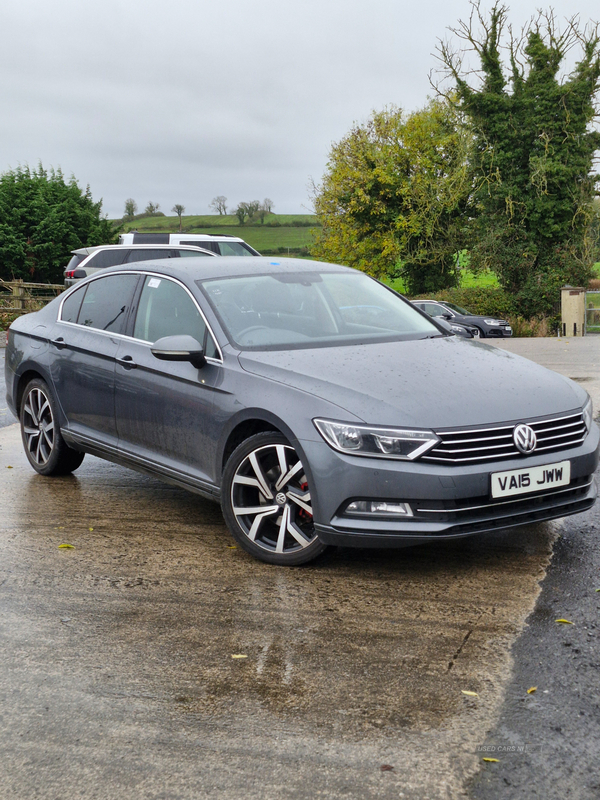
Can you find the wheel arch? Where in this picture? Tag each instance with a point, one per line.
(245, 425)
(28, 374)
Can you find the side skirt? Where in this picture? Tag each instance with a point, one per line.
(146, 467)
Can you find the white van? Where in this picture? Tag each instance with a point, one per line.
(220, 244)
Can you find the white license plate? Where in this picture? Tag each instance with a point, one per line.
(532, 479)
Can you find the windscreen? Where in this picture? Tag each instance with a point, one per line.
(309, 309)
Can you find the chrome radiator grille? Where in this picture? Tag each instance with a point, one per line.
(493, 444)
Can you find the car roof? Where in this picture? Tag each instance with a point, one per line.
(85, 251)
(193, 269)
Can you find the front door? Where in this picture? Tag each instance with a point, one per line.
(163, 408)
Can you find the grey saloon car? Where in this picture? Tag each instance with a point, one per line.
(316, 405)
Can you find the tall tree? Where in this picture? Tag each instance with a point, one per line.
(178, 209)
(534, 149)
(241, 212)
(42, 218)
(152, 208)
(219, 204)
(395, 198)
(131, 207)
(264, 208)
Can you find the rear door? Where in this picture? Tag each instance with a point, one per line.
(83, 349)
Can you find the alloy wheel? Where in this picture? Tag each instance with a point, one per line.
(38, 426)
(271, 501)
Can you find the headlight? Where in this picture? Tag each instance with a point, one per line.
(588, 414)
(493, 322)
(367, 440)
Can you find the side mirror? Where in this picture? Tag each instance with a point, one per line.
(441, 321)
(179, 348)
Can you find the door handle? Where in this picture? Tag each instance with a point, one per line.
(127, 362)
(59, 343)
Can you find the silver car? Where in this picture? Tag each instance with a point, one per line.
(87, 260)
(316, 405)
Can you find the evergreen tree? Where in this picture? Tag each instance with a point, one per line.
(534, 152)
(43, 218)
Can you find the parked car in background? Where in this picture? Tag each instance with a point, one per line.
(273, 388)
(484, 326)
(87, 260)
(466, 331)
(220, 244)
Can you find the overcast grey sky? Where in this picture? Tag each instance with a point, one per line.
(178, 102)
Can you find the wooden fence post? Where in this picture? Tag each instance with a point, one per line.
(18, 291)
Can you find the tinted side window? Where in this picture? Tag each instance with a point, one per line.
(234, 249)
(433, 309)
(107, 303)
(75, 261)
(107, 258)
(166, 309)
(187, 253)
(207, 245)
(71, 306)
(149, 254)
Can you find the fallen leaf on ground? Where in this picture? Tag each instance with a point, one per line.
(91, 529)
(564, 621)
(492, 759)
(598, 590)
(469, 694)
(238, 655)
(232, 547)
(66, 547)
(532, 690)
(8, 466)
(386, 768)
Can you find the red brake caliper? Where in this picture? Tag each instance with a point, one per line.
(301, 512)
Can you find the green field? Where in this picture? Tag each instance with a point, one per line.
(278, 230)
(467, 280)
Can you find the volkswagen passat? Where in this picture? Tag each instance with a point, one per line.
(317, 405)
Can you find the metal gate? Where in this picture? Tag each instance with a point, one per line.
(592, 311)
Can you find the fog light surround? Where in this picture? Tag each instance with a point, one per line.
(378, 508)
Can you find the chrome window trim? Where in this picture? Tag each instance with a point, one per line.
(132, 338)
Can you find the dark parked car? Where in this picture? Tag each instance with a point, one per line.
(274, 388)
(484, 326)
(453, 327)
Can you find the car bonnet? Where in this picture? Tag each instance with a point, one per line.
(432, 383)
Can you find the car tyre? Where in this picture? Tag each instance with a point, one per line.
(266, 501)
(45, 448)
(480, 333)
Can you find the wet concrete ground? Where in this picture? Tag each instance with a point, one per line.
(119, 680)
(118, 677)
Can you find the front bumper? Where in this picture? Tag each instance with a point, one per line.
(499, 333)
(447, 501)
